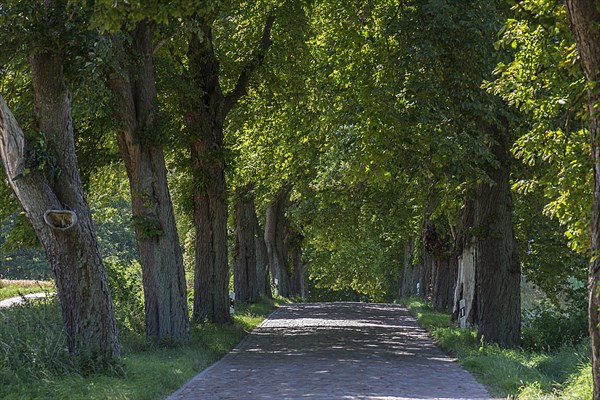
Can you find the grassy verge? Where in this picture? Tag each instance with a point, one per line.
(34, 364)
(13, 288)
(565, 373)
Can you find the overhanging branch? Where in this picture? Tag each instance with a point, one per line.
(241, 86)
(12, 142)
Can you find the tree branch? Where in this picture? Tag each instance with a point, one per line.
(158, 45)
(241, 86)
(12, 142)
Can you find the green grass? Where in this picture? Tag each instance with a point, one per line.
(14, 288)
(35, 365)
(565, 373)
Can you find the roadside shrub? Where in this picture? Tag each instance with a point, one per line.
(552, 325)
(548, 327)
(125, 281)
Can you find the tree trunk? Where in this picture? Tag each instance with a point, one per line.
(406, 270)
(426, 274)
(165, 294)
(464, 292)
(411, 283)
(411, 273)
(211, 281)
(464, 254)
(298, 278)
(244, 258)
(68, 236)
(275, 230)
(498, 314)
(206, 111)
(438, 253)
(425, 270)
(262, 260)
(205, 118)
(446, 268)
(584, 17)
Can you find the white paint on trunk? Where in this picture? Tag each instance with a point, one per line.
(464, 293)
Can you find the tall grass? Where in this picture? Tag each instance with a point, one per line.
(564, 373)
(32, 344)
(34, 362)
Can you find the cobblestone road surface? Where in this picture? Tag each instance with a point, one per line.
(335, 351)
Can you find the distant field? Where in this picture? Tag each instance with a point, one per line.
(11, 288)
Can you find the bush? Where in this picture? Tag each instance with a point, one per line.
(548, 327)
(125, 281)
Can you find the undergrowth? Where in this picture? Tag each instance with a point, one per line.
(563, 373)
(34, 362)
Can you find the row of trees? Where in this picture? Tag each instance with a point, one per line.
(48, 41)
(372, 145)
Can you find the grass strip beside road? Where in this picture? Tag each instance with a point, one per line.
(13, 288)
(34, 364)
(512, 373)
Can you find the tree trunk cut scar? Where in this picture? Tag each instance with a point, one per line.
(60, 219)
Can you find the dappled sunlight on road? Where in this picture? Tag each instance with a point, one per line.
(336, 351)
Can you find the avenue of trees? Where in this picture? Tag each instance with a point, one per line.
(307, 148)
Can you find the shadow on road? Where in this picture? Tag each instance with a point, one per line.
(336, 351)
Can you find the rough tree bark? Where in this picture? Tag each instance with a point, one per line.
(464, 253)
(584, 17)
(293, 244)
(275, 231)
(497, 269)
(437, 252)
(426, 273)
(444, 283)
(410, 273)
(73, 253)
(206, 110)
(405, 286)
(165, 294)
(262, 260)
(245, 279)
(425, 270)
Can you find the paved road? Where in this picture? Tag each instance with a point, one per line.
(335, 351)
(13, 301)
